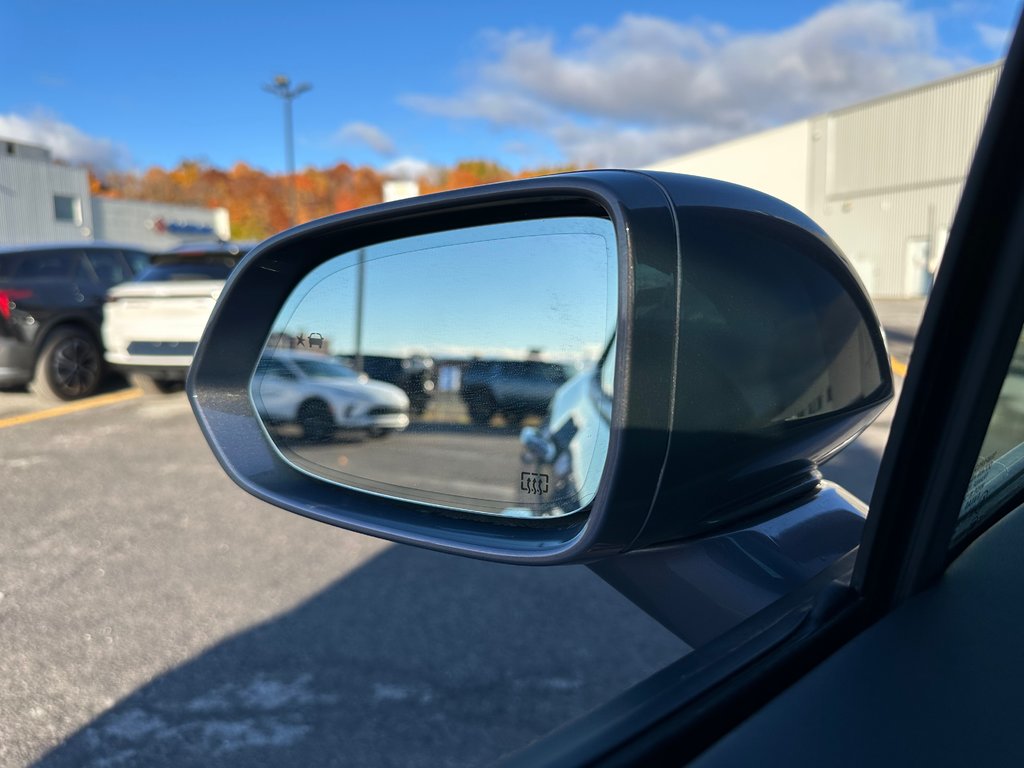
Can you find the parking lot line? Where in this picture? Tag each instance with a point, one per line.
(62, 410)
(898, 367)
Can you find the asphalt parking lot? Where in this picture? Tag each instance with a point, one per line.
(151, 613)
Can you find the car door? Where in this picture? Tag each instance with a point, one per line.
(907, 651)
(58, 273)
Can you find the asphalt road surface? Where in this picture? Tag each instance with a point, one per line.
(461, 460)
(151, 613)
(154, 614)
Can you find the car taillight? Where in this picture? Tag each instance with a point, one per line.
(7, 301)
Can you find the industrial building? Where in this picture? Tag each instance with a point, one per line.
(883, 178)
(44, 201)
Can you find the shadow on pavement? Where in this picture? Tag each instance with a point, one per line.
(894, 334)
(414, 659)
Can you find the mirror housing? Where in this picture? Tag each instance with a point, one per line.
(748, 354)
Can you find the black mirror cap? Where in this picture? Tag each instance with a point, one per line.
(673, 471)
(782, 363)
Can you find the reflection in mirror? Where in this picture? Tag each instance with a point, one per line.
(469, 369)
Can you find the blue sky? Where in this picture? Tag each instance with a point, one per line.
(410, 309)
(404, 86)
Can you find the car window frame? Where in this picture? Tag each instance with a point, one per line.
(969, 329)
(113, 253)
(963, 350)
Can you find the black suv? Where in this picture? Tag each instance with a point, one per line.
(51, 307)
(513, 388)
(413, 375)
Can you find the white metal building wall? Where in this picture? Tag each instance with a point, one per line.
(27, 189)
(886, 177)
(773, 161)
(883, 178)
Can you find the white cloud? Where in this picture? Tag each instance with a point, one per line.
(65, 141)
(996, 38)
(370, 135)
(409, 168)
(610, 145)
(627, 94)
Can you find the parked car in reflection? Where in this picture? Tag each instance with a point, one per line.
(416, 376)
(321, 396)
(152, 324)
(562, 459)
(513, 388)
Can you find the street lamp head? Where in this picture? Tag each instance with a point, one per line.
(282, 86)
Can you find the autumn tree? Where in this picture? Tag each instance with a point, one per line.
(259, 203)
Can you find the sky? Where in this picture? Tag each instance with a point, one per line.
(456, 279)
(406, 87)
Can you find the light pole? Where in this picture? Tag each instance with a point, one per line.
(282, 87)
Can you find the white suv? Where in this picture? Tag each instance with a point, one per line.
(152, 324)
(321, 395)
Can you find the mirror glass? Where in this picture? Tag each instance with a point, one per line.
(469, 369)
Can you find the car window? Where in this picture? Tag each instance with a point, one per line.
(108, 266)
(47, 264)
(268, 366)
(325, 369)
(156, 615)
(999, 471)
(138, 260)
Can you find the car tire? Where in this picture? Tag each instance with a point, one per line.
(149, 385)
(482, 408)
(316, 421)
(513, 417)
(379, 432)
(69, 366)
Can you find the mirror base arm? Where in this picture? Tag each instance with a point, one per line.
(699, 589)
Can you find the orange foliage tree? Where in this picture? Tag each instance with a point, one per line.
(259, 203)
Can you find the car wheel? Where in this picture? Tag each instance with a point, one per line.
(379, 432)
(482, 408)
(69, 366)
(513, 417)
(151, 386)
(316, 421)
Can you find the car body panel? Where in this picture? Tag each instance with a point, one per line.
(153, 324)
(37, 298)
(158, 323)
(572, 445)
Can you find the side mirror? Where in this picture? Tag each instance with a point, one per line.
(623, 360)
